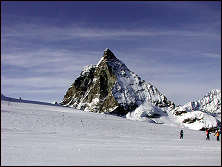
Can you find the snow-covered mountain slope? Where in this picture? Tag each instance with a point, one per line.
(198, 120)
(46, 135)
(111, 87)
(201, 114)
(210, 103)
(3, 97)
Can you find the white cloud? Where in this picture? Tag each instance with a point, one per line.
(52, 33)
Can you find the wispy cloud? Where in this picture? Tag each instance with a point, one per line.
(36, 82)
(49, 32)
(42, 88)
(212, 55)
(49, 60)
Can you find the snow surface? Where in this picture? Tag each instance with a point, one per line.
(202, 120)
(35, 134)
(144, 112)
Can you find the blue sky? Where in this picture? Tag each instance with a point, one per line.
(173, 45)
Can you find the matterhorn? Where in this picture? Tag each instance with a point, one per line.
(110, 87)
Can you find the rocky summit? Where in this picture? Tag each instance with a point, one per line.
(110, 87)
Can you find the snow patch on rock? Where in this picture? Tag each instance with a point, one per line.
(87, 69)
(197, 120)
(144, 112)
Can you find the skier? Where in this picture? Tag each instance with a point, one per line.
(82, 123)
(208, 134)
(181, 134)
(218, 135)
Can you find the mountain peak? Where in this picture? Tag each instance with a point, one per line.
(108, 54)
(111, 87)
(106, 49)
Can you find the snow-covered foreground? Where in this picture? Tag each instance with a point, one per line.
(34, 134)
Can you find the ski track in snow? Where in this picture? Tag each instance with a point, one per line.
(34, 134)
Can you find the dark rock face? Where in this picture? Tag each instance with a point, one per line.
(105, 88)
(108, 55)
(96, 84)
(191, 120)
(77, 91)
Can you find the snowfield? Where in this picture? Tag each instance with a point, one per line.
(35, 134)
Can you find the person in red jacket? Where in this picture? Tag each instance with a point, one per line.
(208, 134)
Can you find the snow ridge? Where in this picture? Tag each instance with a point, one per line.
(201, 114)
(210, 103)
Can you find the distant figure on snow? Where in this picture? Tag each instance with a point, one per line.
(82, 123)
(217, 133)
(181, 134)
(208, 134)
